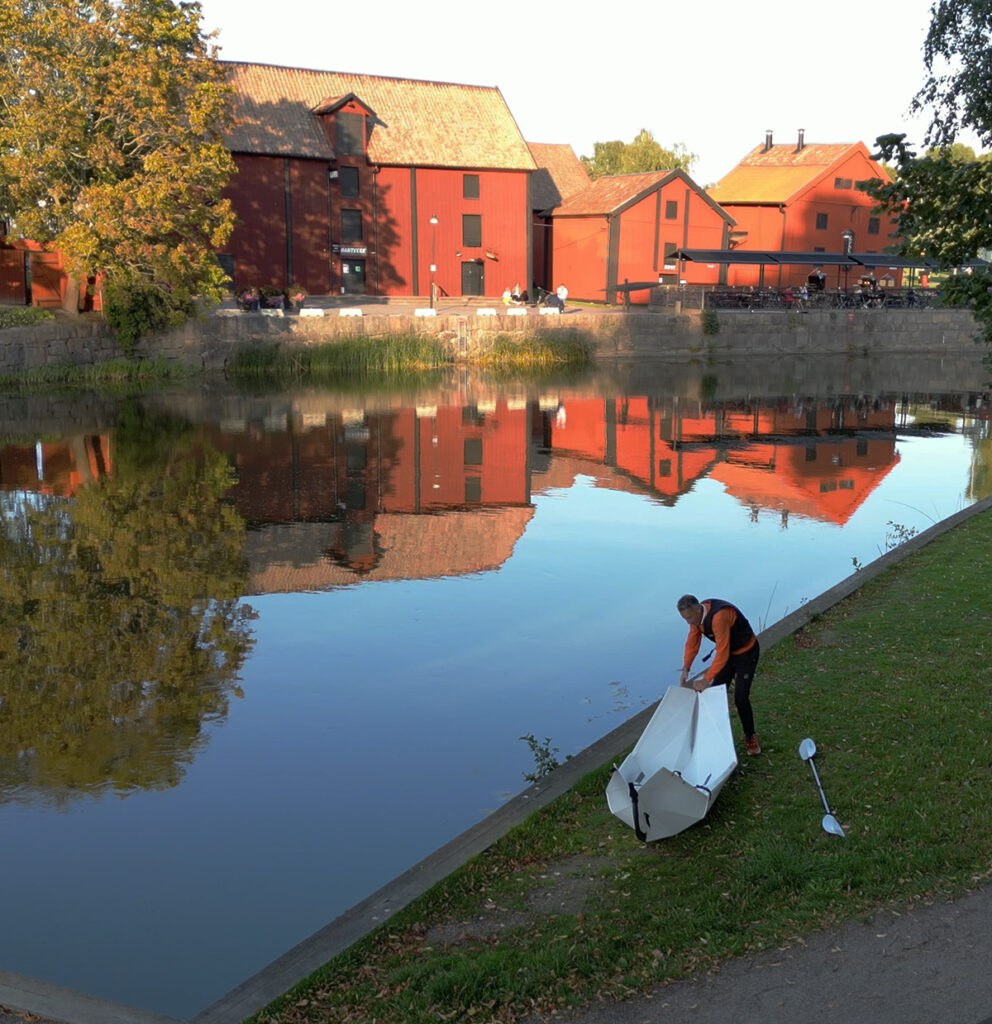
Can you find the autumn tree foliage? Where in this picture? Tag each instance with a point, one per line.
(643, 154)
(111, 114)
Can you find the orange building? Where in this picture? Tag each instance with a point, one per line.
(801, 197)
(625, 228)
(375, 186)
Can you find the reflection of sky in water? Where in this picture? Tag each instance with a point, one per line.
(381, 720)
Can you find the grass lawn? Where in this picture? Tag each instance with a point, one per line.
(893, 685)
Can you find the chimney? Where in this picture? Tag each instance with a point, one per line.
(768, 140)
(801, 144)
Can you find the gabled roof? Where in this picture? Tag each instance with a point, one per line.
(560, 174)
(419, 124)
(334, 103)
(615, 192)
(778, 173)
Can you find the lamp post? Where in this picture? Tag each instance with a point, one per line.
(433, 252)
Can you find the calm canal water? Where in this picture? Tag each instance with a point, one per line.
(261, 653)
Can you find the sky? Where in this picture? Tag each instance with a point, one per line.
(712, 75)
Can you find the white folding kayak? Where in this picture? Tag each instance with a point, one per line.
(671, 778)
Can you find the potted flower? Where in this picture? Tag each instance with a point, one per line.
(296, 295)
(249, 298)
(272, 298)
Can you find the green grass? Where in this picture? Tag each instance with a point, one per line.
(112, 373)
(380, 356)
(361, 356)
(22, 316)
(892, 684)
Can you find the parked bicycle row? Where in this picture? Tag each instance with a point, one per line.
(803, 299)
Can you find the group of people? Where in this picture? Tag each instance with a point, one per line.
(519, 297)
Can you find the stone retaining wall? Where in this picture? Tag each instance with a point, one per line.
(210, 341)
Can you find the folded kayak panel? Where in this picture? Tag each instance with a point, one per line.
(677, 768)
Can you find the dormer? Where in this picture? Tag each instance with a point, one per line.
(347, 123)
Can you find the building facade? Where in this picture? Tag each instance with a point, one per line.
(801, 197)
(625, 228)
(357, 184)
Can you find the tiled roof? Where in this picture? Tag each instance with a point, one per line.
(776, 174)
(609, 194)
(612, 193)
(288, 559)
(422, 124)
(560, 174)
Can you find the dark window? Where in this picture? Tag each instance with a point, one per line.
(471, 417)
(356, 455)
(473, 488)
(818, 248)
(665, 467)
(348, 182)
(473, 451)
(349, 134)
(873, 225)
(670, 249)
(470, 186)
(842, 182)
(471, 229)
(671, 209)
(351, 225)
(821, 222)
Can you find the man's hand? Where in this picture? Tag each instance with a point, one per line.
(700, 684)
(684, 677)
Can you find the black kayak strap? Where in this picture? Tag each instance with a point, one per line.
(640, 833)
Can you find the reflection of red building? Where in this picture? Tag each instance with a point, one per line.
(665, 447)
(355, 468)
(55, 467)
(827, 479)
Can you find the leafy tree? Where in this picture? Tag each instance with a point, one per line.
(958, 58)
(111, 113)
(121, 631)
(643, 154)
(943, 199)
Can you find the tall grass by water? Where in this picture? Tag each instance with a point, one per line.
(375, 356)
(114, 373)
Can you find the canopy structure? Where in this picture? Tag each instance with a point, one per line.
(852, 261)
(672, 777)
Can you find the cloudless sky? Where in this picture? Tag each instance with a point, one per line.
(714, 75)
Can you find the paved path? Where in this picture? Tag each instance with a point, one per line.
(932, 965)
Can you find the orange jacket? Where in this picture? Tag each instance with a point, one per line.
(721, 625)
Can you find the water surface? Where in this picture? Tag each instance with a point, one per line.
(261, 653)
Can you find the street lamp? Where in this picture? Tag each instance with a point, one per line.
(433, 251)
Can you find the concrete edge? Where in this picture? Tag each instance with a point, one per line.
(29, 995)
(291, 968)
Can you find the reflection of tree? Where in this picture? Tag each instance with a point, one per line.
(120, 629)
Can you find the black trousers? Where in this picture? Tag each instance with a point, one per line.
(740, 670)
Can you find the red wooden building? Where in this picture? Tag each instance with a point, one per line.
(379, 186)
(625, 228)
(559, 175)
(800, 197)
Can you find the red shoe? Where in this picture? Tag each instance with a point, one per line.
(753, 746)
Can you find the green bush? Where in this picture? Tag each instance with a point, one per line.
(711, 322)
(22, 316)
(134, 311)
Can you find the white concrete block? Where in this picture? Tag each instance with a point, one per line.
(311, 311)
(425, 312)
(516, 312)
(550, 311)
(349, 311)
(485, 312)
